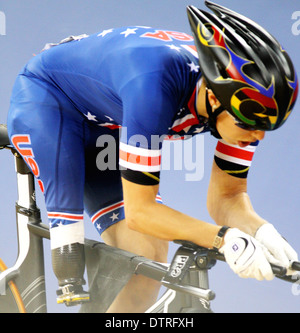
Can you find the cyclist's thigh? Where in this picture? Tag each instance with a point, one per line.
(49, 134)
(103, 196)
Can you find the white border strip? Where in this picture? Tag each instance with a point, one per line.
(233, 159)
(67, 234)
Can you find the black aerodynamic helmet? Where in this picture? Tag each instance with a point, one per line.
(247, 69)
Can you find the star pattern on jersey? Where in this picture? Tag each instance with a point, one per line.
(198, 130)
(79, 37)
(114, 217)
(105, 32)
(193, 67)
(59, 224)
(180, 111)
(111, 124)
(186, 125)
(129, 31)
(174, 47)
(132, 31)
(91, 117)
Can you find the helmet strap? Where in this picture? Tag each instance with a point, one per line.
(212, 117)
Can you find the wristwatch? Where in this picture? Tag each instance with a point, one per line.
(219, 238)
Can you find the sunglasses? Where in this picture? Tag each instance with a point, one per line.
(243, 126)
(240, 124)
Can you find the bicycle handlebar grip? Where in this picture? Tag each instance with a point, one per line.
(278, 270)
(295, 265)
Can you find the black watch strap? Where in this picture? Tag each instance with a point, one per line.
(218, 240)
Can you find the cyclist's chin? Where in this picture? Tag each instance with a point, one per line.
(243, 144)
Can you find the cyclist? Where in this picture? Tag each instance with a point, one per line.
(119, 93)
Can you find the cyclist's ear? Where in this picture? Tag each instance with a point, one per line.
(213, 101)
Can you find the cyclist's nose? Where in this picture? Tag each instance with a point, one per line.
(259, 135)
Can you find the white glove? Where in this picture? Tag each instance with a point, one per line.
(280, 249)
(245, 256)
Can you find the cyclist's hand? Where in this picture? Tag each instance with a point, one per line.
(280, 249)
(245, 256)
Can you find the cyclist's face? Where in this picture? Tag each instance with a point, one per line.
(230, 130)
(232, 134)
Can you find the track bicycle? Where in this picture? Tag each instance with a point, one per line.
(22, 286)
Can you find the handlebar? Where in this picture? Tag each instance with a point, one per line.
(278, 271)
(191, 257)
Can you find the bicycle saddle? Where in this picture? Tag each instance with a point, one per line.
(4, 139)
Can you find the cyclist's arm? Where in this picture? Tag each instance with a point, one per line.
(145, 215)
(229, 204)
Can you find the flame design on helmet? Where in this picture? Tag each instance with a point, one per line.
(238, 73)
(253, 90)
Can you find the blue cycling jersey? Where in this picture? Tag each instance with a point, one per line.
(140, 78)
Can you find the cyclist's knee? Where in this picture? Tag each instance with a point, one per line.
(120, 236)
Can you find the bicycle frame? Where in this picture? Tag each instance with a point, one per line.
(186, 278)
(31, 290)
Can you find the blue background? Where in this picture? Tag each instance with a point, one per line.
(274, 180)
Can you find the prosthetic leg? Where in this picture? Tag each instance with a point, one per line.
(68, 264)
